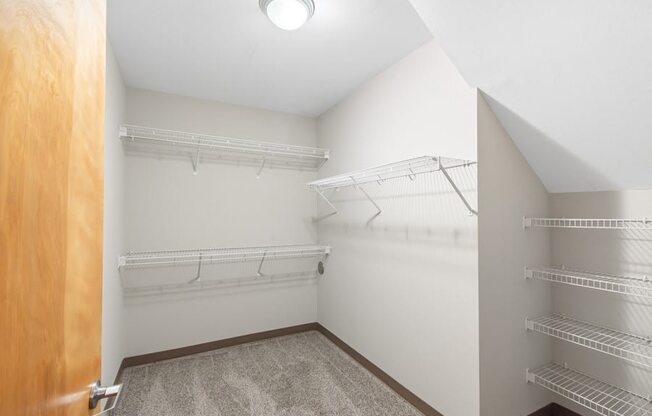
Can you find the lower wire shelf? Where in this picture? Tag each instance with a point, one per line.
(155, 272)
(602, 398)
(220, 255)
(630, 347)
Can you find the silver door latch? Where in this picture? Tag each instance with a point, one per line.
(98, 393)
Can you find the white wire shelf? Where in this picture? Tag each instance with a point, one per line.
(410, 168)
(157, 272)
(634, 286)
(224, 149)
(220, 255)
(629, 347)
(603, 224)
(602, 398)
(404, 168)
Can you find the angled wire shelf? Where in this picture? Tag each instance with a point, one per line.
(630, 347)
(410, 168)
(602, 398)
(179, 270)
(634, 286)
(225, 149)
(602, 224)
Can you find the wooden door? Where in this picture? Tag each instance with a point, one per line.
(51, 188)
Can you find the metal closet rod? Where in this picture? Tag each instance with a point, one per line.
(409, 168)
(196, 143)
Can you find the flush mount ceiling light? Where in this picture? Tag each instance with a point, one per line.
(288, 14)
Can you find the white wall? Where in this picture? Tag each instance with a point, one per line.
(167, 207)
(608, 251)
(112, 307)
(403, 290)
(568, 80)
(508, 191)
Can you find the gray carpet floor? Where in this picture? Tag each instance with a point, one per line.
(296, 375)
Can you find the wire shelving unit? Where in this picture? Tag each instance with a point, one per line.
(588, 223)
(634, 286)
(225, 149)
(286, 261)
(410, 168)
(602, 398)
(630, 347)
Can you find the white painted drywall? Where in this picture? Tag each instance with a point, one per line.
(568, 80)
(167, 207)
(608, 251)
(403, 290)
(228, 50)
(112, 307)
(509, 190)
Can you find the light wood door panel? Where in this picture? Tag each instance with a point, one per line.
(51, 196)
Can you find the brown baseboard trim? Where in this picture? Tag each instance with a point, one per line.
(559, 410)
(544, 411)
(554, 409)
(410, 397)
(215, 345)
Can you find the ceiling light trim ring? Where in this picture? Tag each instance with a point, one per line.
(309, 4)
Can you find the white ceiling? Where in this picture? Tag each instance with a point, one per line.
(571, 81)
(227, 50)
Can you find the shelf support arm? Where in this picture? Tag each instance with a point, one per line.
(361, 189)
(457, 190)
(198, 277)
(328, 202)
(195, 161)
(260, 266)
(260, 169)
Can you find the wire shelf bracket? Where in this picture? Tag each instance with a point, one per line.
(630, 347)
(596, 395)
(634, 286)
(589, 223)
(260, 153)
(444, 170)
(410, 168)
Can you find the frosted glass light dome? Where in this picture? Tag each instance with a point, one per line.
(288, 14)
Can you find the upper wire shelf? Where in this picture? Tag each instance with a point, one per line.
(604, 224)
(602, 398)
(630, 347)
(410, 168)
(635, 286)
(227, 149)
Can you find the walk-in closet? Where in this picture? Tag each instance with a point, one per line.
(325, 208)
